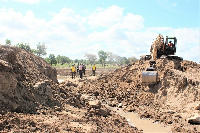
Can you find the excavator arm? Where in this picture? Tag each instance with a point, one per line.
(158, 48)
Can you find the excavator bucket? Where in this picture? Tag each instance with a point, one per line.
(150, 76)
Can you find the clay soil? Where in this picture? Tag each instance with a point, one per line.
(32, 99)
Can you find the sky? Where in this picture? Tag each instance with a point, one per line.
(124, 27)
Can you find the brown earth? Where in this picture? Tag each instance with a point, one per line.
(33, 101)
(172, 101)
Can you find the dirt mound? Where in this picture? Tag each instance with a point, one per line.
(24, 79)
(31, 99)
(38, 103)
(172, 101)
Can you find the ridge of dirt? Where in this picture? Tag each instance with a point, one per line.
(23, 80)
(172, 101)
(32, 100)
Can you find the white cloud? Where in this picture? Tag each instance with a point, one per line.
(113, 16)
(69, 34)
(174, 4)
(28, 1)
(133, 22)
(106, 17)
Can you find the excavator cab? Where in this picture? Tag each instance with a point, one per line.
(170, 49)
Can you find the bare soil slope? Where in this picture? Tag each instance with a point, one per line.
(23, 77)
(31, 99)
(172, 101)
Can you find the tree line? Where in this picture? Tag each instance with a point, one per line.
(103, 57)
(40, 50)
(108, 58)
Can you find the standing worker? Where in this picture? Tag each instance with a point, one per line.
(93, 69)
(73, 71)
(84, 68)
(77, 69)
(80, 70)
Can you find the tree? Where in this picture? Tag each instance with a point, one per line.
(91, 58)
(117, 58)
(131, 59)
(76, 61)
(47, 60)
(41, 49)
(102, 57)
(110, 57)
(58, 59)
(8, 42)
(24, 46)
(52, 59)
(64, 60)
(125, 60)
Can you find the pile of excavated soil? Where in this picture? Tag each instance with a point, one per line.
(172, 101)
(25, 80)
(31, 99)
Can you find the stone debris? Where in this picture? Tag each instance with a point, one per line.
(194, 120)
(197, 107)
(171, 101)
(95, 104)
(32, 100)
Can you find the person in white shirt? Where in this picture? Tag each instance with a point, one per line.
(80, 70)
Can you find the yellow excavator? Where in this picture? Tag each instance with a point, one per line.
(159, 49)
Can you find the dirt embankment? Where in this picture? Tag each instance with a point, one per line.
(172, 101)
(31, 99)
(23, 77)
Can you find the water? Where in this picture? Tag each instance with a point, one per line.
(62, 78)
(142, 124)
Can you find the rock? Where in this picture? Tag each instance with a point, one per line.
(57, 129)
(130, 109)
(95, 104)
(103, 112)
(170, 111)
(33, 129)
(120, 105)
(197, 107)
(57, 108)
(194, 120)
